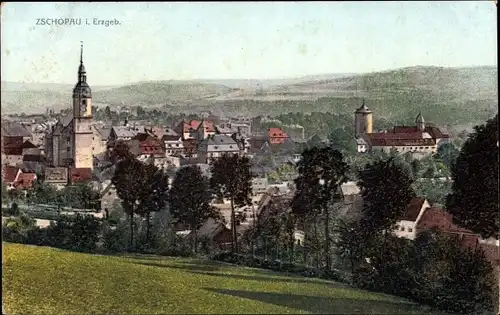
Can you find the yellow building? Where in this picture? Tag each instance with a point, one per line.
(363, 121)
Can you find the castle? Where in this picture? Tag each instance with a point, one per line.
(419, 140)
(69, 142)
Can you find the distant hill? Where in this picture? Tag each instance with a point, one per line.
(393, 92)
(19, 97)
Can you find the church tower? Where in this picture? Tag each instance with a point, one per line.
(363, 121)
(82, 120)
(420, 122)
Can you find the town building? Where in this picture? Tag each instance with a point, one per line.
(215, 146)
(419, 140)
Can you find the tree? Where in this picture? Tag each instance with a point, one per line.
(129, 181)
(342, 140)
(4, 191)
(386, 189)
(107, 113)
(190, 199)
(154, 194)
(321, 172)
(447, 153)
(232, 179)
(140, 112)
(119, 151)
(474, 198)
(41, 193)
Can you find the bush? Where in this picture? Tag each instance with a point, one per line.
(276, 265)
(79, 233)
(13, 210)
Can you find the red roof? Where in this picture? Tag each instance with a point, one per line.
(194, 124)
(25, 180)
(10, 173)
(78, 175)
(276, 133)
(413, 209)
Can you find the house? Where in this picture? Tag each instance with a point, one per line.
(442, 221)
(34, 162)
(259, 185)
(258, 144)
(148, 146)
(56, 176)
(195, 129)
(10, 174)
(109, 198)
(25, 180)
(406, 227)
(126, 132)
(100, 139)
(168, 134)
(79, 175)
(15, 178)
(174, 147)
(190, 147)
(276, 135)
(12, 150)
(204, 129)
(215, 146)
(215, 231)
(15, 129)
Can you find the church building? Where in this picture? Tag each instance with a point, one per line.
(69, 142)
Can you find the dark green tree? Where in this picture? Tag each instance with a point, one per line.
(42, 193)
(154, 194)
(190, 199)
(107, 113)
(386, 189)
(342, 140)
(231, 179)
(321, 171)
(447, 153)
(119, 151)
(129, 181)
(474, 198)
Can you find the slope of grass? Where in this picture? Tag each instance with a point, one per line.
(40, 280)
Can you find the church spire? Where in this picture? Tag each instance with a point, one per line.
(82, 74)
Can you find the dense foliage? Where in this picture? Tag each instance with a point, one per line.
(474, 198)
(231, 179)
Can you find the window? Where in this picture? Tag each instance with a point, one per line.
(410, 230)
(427, 147)
(93, 138)
(402, 228)
(92, 148)
(67, 149)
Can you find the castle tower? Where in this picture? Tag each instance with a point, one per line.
(82, 120)
(363, 120)
(420, 122)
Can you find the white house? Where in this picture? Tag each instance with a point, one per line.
(215, 146)
(406, 227)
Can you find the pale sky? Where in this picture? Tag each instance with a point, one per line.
(253, 40)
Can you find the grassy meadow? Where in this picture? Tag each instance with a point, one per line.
(42, 280)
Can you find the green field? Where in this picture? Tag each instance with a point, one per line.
(41, 280)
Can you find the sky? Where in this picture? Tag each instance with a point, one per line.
(241, 40)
